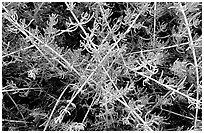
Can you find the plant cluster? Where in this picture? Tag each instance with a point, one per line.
(102, 66)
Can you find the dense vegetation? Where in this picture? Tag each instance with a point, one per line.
(101, 66)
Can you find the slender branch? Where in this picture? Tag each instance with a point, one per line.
(89, 108)
(154, 34)
(17, 108)
(163, 48)
(187, 117)
(168, 87)
(57, 102)
(195, 62)
(20, 89)
(22, 49)
(15, 121)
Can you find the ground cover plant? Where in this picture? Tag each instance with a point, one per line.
(101, 66)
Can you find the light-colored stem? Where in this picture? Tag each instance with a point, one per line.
(195, 63)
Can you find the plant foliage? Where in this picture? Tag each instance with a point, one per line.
(101, 66)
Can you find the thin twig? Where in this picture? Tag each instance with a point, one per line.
(187, 117)
(15, 121)
(154, 35)
(89, 108)
(20, 89)
(195, 62)
(22, 49)
(57, 102)
(168, 87)
(17, 108)
(163, 48)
